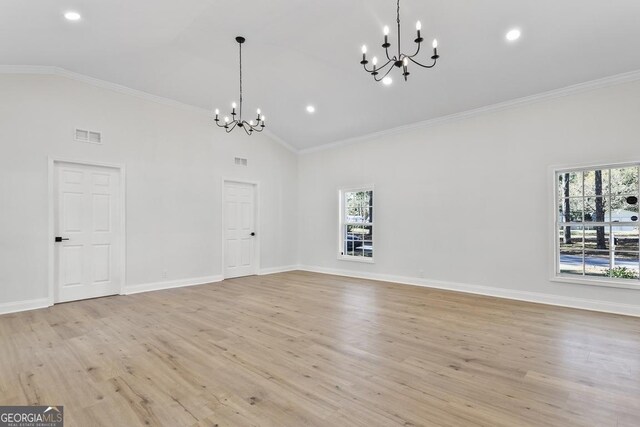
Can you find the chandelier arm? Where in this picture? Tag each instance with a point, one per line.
(254, 128)
(382, 69)
(423, 66)
(247, 129)
(221, 126)
(390, 61)
(378, 68)
(385, 75)
(417, 51)
(386, 52)
(234, 124)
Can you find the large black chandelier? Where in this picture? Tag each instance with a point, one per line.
(250, 126)
(400, 60)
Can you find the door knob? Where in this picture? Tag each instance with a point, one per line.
(253, 234)
(59, 239)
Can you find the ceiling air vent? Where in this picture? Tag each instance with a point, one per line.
(92, 137)
(241, 162)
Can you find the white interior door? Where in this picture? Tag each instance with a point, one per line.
(239, 230)
(88, 226)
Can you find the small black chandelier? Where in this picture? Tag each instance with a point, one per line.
(230, 124)
(400, 60)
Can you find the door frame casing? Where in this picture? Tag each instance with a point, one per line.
(52, 161)
(256, 223)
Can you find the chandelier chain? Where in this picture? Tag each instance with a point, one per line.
(240, 44)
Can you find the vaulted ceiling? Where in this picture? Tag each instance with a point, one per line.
(308, 52)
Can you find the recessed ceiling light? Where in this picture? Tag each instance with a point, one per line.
(387, 81)
(513, 35)
(311, 109)
(72, 16)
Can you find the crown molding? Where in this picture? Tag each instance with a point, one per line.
(514, 103)
(62, 72)
(527, 100)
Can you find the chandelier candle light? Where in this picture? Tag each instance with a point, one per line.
(230, 124)
(400, 60)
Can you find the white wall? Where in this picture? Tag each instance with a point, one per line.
(448, 206)
(467, 203)
(175, 159)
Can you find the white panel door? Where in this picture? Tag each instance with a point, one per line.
(88, 230)
(239, 230)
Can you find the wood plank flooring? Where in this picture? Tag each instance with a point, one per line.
(305, 349)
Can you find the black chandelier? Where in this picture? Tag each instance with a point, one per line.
(400, 60)
(230, 124)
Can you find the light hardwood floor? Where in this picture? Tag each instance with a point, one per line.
(297, 349)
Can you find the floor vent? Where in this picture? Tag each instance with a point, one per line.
(241, 162)
(92, 137)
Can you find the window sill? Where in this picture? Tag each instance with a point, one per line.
(356, 259)
(607, 283)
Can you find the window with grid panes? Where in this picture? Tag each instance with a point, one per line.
(597, 223)
(356, 224)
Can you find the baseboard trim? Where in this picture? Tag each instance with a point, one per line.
(275, 270)
(15, 307)
(535, 297)
(180, 283)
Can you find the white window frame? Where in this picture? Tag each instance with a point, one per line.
(342, 222)
(556, 276)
